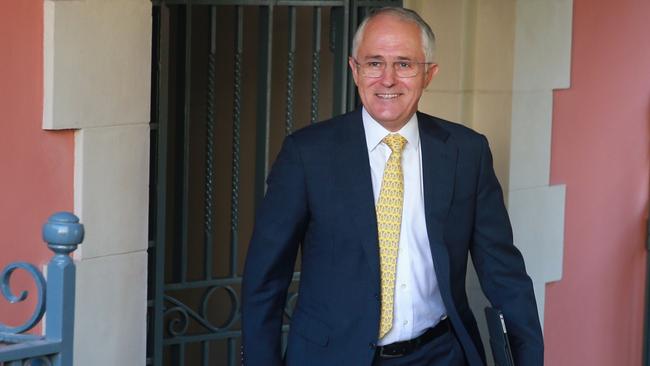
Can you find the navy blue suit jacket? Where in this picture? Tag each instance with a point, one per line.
(320, 198)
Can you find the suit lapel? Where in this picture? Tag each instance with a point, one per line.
(354, 180)
(439, 156)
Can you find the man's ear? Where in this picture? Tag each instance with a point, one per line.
(432, 70)
(354, 69)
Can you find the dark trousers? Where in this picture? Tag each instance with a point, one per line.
(445, 350)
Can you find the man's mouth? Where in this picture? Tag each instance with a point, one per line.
(387, 95)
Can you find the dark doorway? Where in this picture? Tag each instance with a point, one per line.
(230, 79)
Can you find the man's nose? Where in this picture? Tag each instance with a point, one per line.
(389, 77)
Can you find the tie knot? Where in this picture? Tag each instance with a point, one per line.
(395, 141)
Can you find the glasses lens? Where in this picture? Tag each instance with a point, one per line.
(376, 69)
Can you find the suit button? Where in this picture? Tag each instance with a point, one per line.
(372, 345)
(376, 296)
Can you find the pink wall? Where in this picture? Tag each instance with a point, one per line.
(601, 151)
(36, 166)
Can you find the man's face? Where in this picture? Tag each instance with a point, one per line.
(389, 99)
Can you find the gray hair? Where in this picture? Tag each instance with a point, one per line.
(428, 38)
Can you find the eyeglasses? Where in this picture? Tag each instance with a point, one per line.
(376, 68)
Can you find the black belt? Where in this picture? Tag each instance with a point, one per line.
(399, 349)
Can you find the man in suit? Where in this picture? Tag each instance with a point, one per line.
(386, 204)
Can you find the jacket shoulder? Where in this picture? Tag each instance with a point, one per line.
(458, 132)
(327, 130)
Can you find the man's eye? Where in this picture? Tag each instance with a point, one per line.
(405, 65)
(374, 64)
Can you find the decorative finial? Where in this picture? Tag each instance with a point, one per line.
(63, 232)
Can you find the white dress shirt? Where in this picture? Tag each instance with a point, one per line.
(417, 304)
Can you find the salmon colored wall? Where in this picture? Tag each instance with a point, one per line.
(36, 166)
(601, 151)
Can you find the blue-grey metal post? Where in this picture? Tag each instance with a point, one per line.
(62, 233)
(646, 326)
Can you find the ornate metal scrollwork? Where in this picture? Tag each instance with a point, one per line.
(179, 324)
(183, 321)
(234, 307)
(6, 332)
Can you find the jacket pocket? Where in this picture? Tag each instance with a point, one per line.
(309, 328)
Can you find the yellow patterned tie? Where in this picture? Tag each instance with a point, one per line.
(389, 220)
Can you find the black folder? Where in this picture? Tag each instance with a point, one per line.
(499, 343)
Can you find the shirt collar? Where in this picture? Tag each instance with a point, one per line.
(375, 132)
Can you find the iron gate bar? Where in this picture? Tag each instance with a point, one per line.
(218, 282)
(187, 121)
(291, 57)
(209, 160)
(209, 147)
(351, 95)
(236, 127)
(234, 211)
(201, 337)
(161, 186)
(339, 29)
(209, 337)
(263, 101)
(315, 63)
(187, 83)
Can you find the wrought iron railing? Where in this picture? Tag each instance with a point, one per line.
(62, 233)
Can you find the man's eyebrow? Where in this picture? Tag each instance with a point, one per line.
(380, 57)
(374, 57)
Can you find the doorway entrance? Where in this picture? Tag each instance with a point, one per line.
(230, 80)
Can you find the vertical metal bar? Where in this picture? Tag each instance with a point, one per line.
(205, 345)
(353, 22)
(181, 354)
(234, 205)
(209, 162)
(315, 64)
(186, 140)
(340, 29)
(345, 46)
(232, 352)
(291, 58)
(209, 148)
(265, 40)
(161, 188)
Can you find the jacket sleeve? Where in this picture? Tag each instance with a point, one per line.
(279, 227)
(500, 267)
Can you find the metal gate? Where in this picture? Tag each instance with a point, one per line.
(230, 79)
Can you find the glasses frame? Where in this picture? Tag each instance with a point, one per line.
(393, 63)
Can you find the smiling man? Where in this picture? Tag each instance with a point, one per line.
(387, 204)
